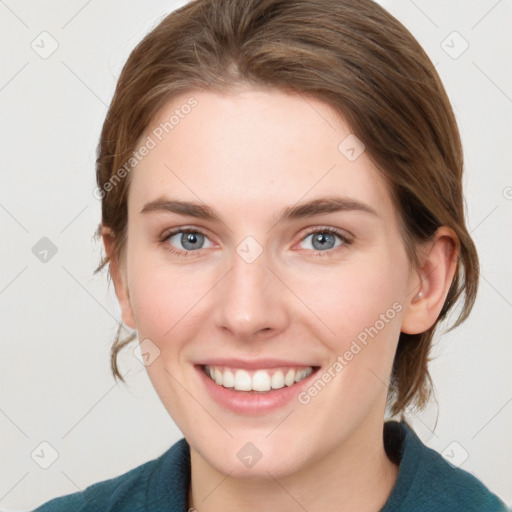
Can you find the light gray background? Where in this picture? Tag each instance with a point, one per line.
(58, 320)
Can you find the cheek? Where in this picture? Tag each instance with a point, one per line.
(163, 298)
(350, 299)
(362, 303)
(362, 306)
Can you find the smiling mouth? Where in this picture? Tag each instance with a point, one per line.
(257, 381)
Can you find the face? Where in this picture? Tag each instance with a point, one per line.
(289, 268)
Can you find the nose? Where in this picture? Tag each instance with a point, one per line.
(251, 301)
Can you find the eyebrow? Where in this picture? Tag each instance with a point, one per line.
(319, 206)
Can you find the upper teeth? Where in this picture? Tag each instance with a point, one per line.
(260, 380)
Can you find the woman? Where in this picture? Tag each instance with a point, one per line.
(282, 214)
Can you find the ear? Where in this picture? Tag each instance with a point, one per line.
(118, 275)
(430, 283)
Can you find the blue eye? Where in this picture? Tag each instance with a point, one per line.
(190, 240)
(322, 241)
(185, 242)
(325, 239)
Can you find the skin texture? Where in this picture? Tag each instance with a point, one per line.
(249, 154)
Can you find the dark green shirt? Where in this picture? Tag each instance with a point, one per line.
(426, 483)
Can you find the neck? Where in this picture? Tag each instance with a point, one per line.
(356, 476)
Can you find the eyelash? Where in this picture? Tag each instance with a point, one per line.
(327, 253)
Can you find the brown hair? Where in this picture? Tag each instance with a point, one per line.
(354, 56)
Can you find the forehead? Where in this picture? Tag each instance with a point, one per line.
(256, 146)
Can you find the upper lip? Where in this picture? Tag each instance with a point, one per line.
(253, 364)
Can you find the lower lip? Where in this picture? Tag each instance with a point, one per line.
(248, 403)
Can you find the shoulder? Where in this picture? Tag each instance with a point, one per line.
(129, 492)
(108, 495)
(426, 481)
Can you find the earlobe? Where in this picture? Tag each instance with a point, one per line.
(117, 273)
(431, 283)
(418, 296)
